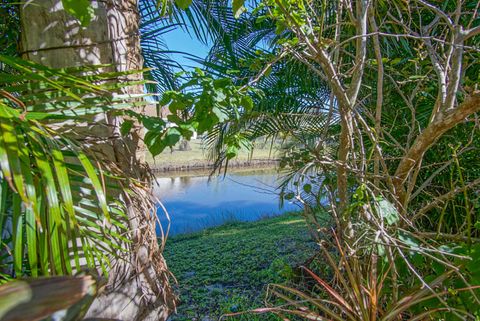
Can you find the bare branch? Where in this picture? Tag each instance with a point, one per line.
(438, 12)
(379, 102)
(361, 50)
(472, 32)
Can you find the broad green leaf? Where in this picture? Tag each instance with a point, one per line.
(477, 225)
(126, 127)
(219, 95)
(387, 211)
(247, 103)
(409, 241)
(154, 142)
(176, 105)
(153, 123)
(173, 136)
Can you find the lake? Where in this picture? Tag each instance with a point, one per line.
(194, 202)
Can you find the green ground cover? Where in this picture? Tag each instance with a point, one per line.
(226, 269)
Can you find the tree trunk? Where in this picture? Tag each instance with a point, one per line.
(138, 286)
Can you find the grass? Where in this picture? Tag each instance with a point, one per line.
(197, 155)
(226, 269)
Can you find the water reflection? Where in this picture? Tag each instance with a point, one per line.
(194, 202)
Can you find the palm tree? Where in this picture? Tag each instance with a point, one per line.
(80, 127)
(138, 284)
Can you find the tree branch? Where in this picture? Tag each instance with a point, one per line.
(428, 137)
(472, 32)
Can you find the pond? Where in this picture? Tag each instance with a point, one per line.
(194, 202)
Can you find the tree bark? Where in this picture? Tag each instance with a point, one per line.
(138, 286)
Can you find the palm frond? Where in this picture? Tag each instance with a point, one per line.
(57, 216)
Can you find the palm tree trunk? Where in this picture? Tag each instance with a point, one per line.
(138, 286)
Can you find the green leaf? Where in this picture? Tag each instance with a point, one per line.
(46, 178)
(166, 97)
(409, 241)
(162, 5)
(126, 127)
(477, 225)
(183, 4)
(95, 181)
(158, 141)
(289, 196)
(31, 211)
(387, 211)
(154, 142)
(415, 77)
(247, 103)
(187, 130)
(80, 9)
(17, 234)
(238, 8)
(219, 95)
(381, 250)
(220, 113)
(232, 151)
(173, 136)
(54, 223)
(307, 188)
(177, 105)
(153, 123)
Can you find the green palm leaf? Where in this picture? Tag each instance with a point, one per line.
(58, 208)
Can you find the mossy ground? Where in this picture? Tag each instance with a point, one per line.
(226, 269)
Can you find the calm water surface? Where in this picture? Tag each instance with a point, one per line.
(194, 202)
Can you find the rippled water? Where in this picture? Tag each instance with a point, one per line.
(194, 202)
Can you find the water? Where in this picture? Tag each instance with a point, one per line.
(194, 203)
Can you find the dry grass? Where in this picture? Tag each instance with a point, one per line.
(197, 155)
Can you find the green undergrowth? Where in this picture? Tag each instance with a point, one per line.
(226, 269)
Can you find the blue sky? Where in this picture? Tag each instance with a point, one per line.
(179, 40)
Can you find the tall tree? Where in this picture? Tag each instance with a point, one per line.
(106, 33)
(403, 78)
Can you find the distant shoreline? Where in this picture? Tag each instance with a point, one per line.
(206, 165)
